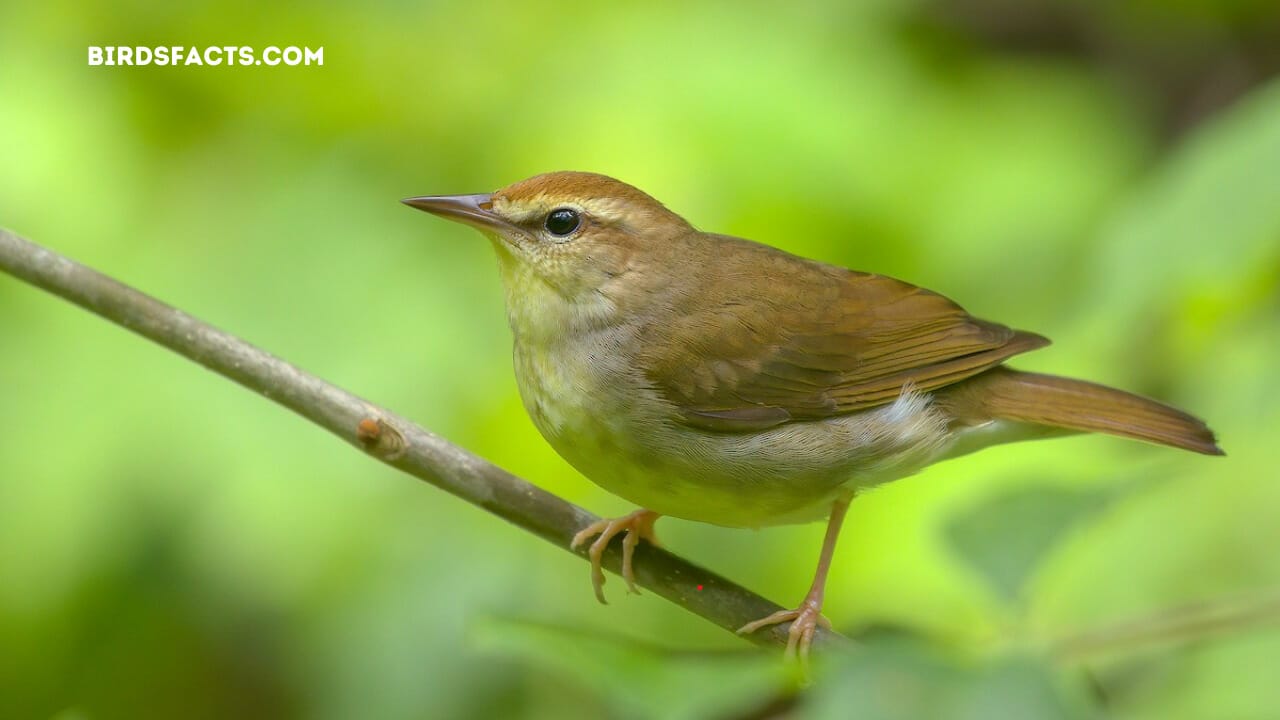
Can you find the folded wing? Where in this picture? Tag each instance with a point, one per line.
(827, 343)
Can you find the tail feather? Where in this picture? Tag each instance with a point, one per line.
(1005, 394)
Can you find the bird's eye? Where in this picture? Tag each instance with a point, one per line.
(562, 221)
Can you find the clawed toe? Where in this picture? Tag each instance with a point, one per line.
(805, 621)
(636, 526)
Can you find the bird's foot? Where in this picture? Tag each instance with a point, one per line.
(805, 620)
(637, 526)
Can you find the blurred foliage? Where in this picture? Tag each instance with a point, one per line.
(642, 680)
(1102, 172)
(894, 679)
(1007, 537)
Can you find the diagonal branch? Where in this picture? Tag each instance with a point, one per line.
(1171, 626)
(384, 435)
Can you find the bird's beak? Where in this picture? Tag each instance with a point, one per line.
(474, 210)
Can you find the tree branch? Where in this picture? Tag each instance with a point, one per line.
(386, 436)
(1172, 626)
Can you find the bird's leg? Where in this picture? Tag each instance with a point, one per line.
(638, 525)
(806, 618)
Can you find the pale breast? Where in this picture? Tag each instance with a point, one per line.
(599, 415)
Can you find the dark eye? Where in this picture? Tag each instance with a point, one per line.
(562, 221)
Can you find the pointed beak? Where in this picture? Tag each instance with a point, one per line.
(474, 210)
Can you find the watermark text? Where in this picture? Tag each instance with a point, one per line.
(212, 56)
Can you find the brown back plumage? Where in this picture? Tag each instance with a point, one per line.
(824, 341)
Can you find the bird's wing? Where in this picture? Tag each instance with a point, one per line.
(826, 343)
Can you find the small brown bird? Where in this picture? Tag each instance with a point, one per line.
(716, 379)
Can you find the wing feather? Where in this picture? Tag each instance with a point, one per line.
(829, 342)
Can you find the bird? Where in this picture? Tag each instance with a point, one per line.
(721, 380)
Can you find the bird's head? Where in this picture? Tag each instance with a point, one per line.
(573, 232)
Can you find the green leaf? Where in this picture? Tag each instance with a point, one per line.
(639, 680)
(1209, 216)
(904, 679)
(1005, 538)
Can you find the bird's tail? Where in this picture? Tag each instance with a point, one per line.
(1056, 402)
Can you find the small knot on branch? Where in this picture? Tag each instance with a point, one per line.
(380, 438)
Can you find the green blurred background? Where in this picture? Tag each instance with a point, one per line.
(1106, 173)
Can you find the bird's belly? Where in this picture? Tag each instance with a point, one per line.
(622, 437)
